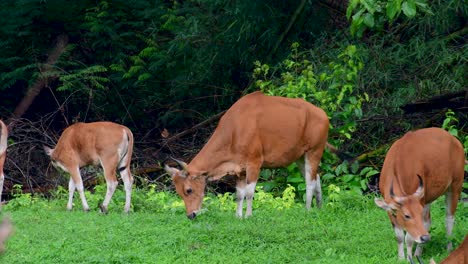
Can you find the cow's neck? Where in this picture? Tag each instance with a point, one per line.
(215, 159)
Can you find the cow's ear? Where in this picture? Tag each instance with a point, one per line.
(48, 150)
(173, 171)
(382, 204)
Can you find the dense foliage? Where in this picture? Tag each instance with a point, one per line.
(171, 64)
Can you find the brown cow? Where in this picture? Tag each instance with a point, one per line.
(3, 148)
(105, 143)
(459, 256)
(418, 168)
(257, 131)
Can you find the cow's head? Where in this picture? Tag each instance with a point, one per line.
(407, 212)
(190, 186)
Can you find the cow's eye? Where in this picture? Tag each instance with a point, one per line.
(407, 217)
(189, 191)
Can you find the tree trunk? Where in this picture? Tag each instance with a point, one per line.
(41, 82)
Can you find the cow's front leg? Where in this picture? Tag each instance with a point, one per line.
(252, 172)
(409, 240)
(400, 235)
(240, 193)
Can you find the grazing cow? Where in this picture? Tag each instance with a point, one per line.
(105, 143)
(418, 168)
(257, 131)
(3, 148)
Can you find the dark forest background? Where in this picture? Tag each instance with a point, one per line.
(168, 70)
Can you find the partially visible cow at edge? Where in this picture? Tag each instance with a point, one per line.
(3, 148)
(419, 168)
(458, 256)
(105, 143)
(258, 131)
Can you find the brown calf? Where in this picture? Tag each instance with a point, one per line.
(418, 168)
(105, 143)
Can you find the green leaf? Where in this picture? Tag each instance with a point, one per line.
(295, 179)
(409, 8)
(352, 5)
(393, 7)
(348, 177)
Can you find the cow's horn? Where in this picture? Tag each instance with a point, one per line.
(420, 191)
(397, 199)
(181, 163)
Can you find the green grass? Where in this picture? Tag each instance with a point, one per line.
(355, 231)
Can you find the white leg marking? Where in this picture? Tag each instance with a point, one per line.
(240, 200)
(449, 222)
(318, 192)
(449, 218)
(128, 182)
(310, 184)
(71, 191)
(409, 240)
(80, 188)
(249, 194)
(399, 237)
(111, 186)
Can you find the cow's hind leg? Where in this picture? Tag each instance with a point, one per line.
(313, 186)
(127, 178)
(451, 200)
(427, 225)
(109, 166)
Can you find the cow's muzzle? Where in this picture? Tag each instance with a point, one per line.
(425, 238)
(191, 216)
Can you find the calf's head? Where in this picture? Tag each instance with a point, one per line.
(190, 186)
(407, 212)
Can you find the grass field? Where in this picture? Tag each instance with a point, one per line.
(355, 231)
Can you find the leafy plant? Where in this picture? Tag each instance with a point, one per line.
(349, 177)
(374, 14)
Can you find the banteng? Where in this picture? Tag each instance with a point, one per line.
(418, 168)
(105, 143)
(258, 131)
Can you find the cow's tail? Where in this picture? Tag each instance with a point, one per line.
(127, 156)
(342, 155)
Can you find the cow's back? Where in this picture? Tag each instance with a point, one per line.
(89, 140)
(431, 153)
(280, 129)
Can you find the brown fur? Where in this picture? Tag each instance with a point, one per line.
(258, 131)
(460, 255)
(434, 155)
(84, 144)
